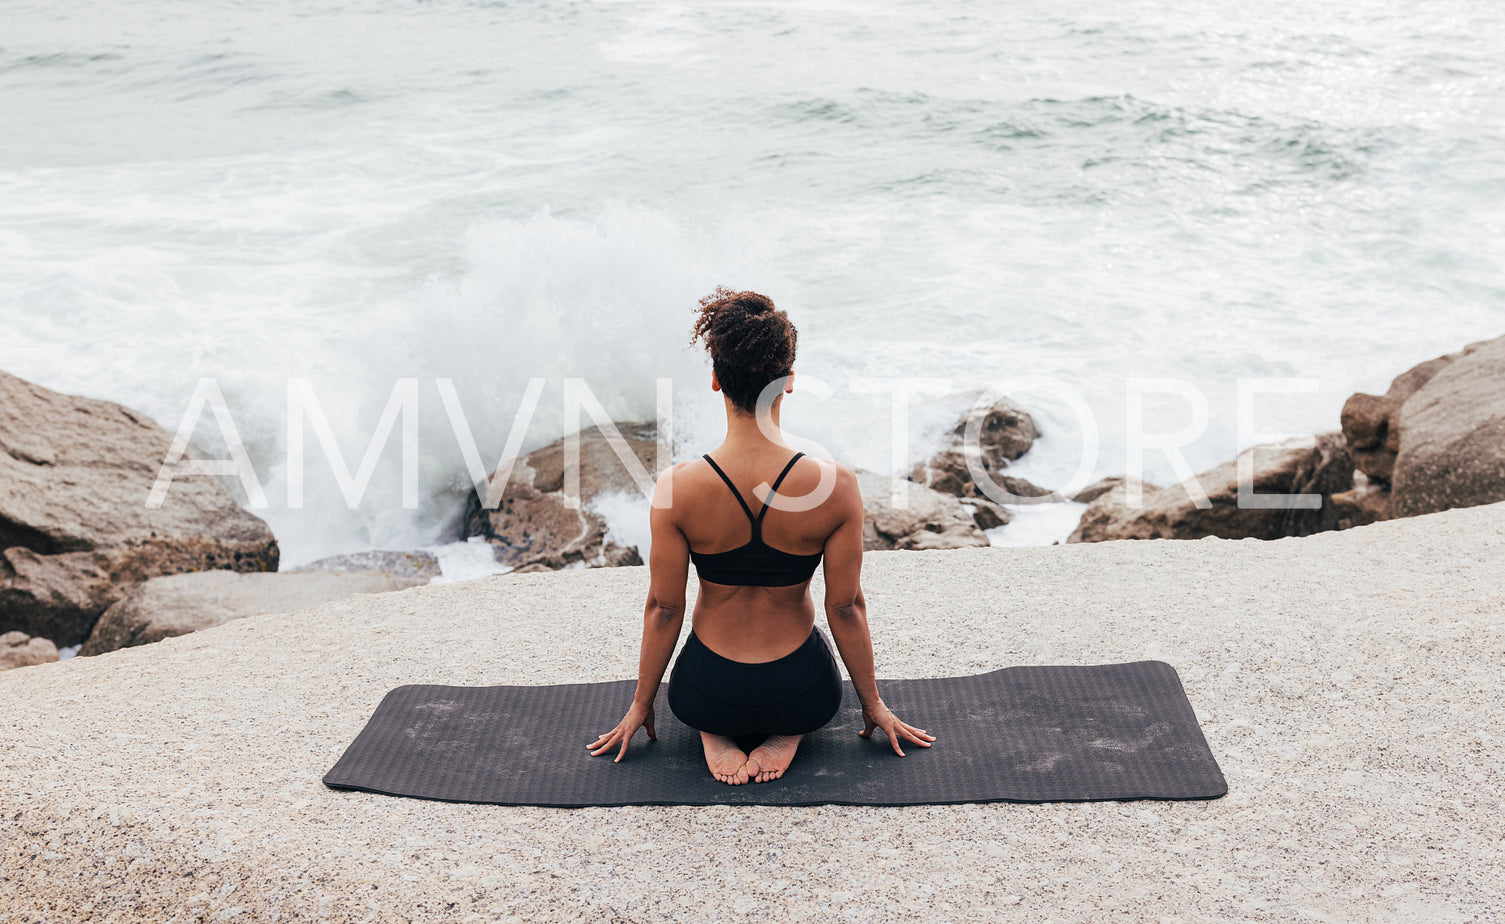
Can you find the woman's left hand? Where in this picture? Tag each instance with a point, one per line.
(879, 716)
(637, 717)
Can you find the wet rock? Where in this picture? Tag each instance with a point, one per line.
(1005, 432)
(75, 531)
(17, 649)
(1027, 491)
(987, 514)
(929, 519)
(178, 604)
(1290, 467)
(536, 528)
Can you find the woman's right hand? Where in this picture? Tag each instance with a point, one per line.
(878, 716)
(637, 717)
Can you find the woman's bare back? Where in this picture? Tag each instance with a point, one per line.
(752, 623)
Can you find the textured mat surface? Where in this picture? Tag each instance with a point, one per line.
(1020, 734)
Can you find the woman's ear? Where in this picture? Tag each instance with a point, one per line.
(715, 385)
(789, 385)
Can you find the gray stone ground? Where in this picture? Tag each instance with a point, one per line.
(1349, 683)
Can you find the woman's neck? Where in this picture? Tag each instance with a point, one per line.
(742, 431)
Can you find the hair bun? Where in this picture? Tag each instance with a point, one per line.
(750, 340)
(729, 302)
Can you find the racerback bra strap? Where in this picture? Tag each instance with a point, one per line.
(735, 493)
(757, 521)
(775, 489)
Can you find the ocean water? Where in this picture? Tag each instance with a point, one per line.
(1053, 198)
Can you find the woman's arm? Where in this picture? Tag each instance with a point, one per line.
(846, 612)
(663, 617)
(664, 613)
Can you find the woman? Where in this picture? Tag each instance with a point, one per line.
(754, 662)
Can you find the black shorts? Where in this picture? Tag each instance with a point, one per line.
(792, 695)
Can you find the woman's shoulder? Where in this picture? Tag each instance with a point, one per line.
(844, 473)
(676, 478)
(841, 469)
(683, 472)
(816, 471)
(835, 482)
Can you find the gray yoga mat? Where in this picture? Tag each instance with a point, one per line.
(1020, 734)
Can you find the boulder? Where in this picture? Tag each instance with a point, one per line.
(1027, 491)
(1098, 488)
(1110, 515)
(1290, 467)
(929, 519)
(535, 528)
(1451, 449)
(75, 531)
(987, 514)
(17, 649)
(1368, 501)
(601, 470)
(178, 604)
(1369, 422)
(1006, 432)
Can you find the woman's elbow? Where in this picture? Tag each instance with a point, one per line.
(663, 613)
(848, 611)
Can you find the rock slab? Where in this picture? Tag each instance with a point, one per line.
(178, 604)
(405, 563)
(1350, 684)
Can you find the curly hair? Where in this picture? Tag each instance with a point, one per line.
(750, 341)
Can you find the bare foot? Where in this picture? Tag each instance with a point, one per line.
(769, 760)
(727, 762)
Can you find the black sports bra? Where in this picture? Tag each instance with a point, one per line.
(757, 563)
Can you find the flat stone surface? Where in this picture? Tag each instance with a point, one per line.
(178, 604)
(1350, 684)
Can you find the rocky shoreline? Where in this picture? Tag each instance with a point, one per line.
(536, 526)
(84, 563)
(1434, 441)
